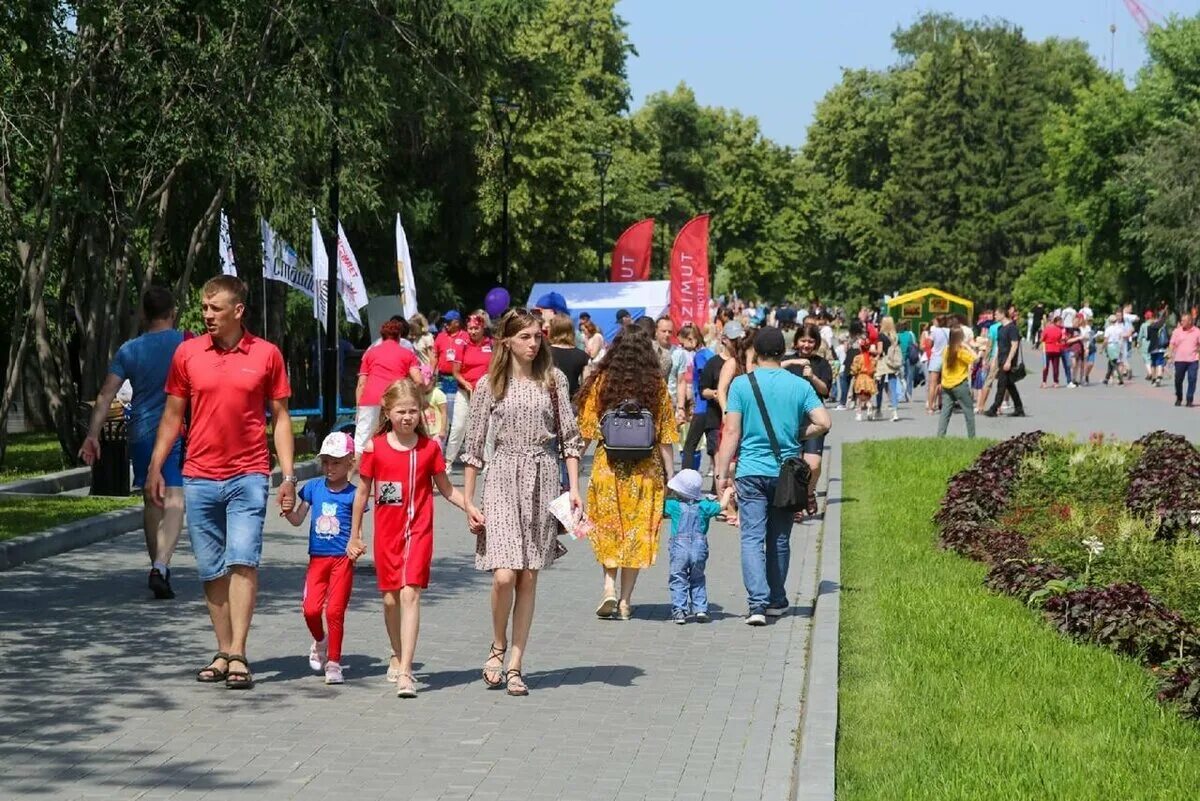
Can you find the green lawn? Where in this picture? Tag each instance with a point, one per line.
(26, 515)
(951, 692)
(30, 455)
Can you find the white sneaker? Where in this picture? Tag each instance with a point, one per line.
(1072, 385)
(858, 416)
(757, 619)
(895, 416)
(333, 673)
(839, 408)
(316, 656)
(701, 617)
(778, 611)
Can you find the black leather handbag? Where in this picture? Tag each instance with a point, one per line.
(791, 491)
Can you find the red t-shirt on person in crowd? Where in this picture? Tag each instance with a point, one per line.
(475, 361)
(403, 509)
(1052, 338)
(449, 348)
(383, 365)
(229, 391)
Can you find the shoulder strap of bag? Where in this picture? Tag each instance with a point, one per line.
(557, 421)
(762, 409)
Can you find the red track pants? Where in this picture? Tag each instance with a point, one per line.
(327, 588)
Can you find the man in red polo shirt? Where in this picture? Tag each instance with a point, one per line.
(228, 377)
(449, 346)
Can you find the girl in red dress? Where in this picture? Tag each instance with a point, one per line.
(400, 467)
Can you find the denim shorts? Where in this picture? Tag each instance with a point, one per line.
(172, 469)
(1158, 358)
(225, 521)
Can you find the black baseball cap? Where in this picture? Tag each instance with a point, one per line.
(769, 342)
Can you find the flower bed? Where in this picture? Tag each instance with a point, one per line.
(1103, 538)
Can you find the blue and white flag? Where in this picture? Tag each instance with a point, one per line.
(225, 246)
(320, 261)
(280, 262)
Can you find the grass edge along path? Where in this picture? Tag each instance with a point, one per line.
(25, 515)
(948, 691)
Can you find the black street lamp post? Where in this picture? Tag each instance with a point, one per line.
(331, 375)
(506, 114)
(602, 159)
(1081, 233)
(665, 228)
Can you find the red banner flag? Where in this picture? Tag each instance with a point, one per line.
(689, 274)
(631, 254)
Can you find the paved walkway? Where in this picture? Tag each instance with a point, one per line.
(97, 699)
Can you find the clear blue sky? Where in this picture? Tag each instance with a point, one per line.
(774, 59)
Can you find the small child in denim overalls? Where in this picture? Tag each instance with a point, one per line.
(690, 516)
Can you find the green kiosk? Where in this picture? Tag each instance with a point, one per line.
(922, 305)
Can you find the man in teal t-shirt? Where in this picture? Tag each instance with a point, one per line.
(796, 413)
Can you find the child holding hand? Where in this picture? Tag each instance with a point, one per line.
(436, 419)
(688, 546)
(400, 467)
(330, 574)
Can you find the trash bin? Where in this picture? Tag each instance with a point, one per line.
(110, 473)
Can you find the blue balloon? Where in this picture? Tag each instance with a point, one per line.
(495, 303)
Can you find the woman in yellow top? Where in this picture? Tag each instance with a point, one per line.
(625, 499)
(956, 389)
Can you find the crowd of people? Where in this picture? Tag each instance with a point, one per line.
(516, 403)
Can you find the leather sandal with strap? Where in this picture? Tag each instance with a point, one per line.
(498, 671)
(210, 674)
(393, 673)
(515, 682)
(238, 679)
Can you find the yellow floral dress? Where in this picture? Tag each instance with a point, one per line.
(625, 499)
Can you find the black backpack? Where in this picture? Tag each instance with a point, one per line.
(627, 432)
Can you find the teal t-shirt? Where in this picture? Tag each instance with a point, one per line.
(789, 400)
(690, 517)
(907, 339)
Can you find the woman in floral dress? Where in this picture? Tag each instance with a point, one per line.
(625, 499)
(523, 399)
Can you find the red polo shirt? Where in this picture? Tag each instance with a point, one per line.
(449, 348)
(228, 391)
(475, 360)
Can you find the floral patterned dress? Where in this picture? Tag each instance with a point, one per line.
(625, 499)
(522, 472)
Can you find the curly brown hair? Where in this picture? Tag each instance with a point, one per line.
(630, 370)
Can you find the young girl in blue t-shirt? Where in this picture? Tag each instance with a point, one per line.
(330, 574)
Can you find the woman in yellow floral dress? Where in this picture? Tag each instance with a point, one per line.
(625, 499)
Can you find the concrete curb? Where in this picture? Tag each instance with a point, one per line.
(817, 751)
(51, 483)
(781, 778)
(79, 533)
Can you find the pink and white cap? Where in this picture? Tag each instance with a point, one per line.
(337, 445)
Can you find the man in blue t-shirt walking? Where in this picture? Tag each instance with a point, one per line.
(144, 362)
(795, 413)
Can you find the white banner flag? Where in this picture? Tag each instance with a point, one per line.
(320, 260)
(225, 246)
(404, 271)
(280, 262)
(354, 291)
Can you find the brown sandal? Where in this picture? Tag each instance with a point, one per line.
(212, 674)
(494, 653)
(520, 689)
